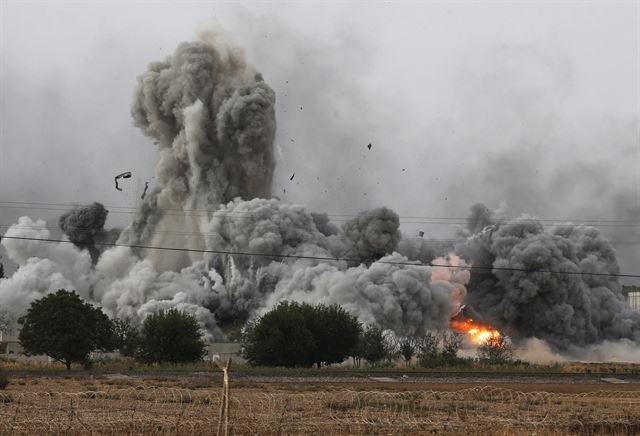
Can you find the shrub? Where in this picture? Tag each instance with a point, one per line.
(374, 345)
(300, 335)
(427, 349)
(497, 349)
(171, 336)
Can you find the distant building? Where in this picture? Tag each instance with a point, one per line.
(634, 300)
(9, 344)
(632, 294)
(225, 350)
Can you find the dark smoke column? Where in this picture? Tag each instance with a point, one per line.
(84, 226)
(374, 233)
(213, 120)
(559, 284)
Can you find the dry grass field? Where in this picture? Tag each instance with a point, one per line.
(175, 405)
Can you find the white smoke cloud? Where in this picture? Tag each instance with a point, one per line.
(403, 298)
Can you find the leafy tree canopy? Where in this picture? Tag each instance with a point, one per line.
(127, 338)
(374, 345)
(294, 334)
(496, 349)
(171, 336)
(65, 328)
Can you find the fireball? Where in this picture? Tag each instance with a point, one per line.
(477, 333)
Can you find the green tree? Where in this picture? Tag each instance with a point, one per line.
(374, 345)
(407, 349)
(65, 328)
(279, 338)
(451, 343)
(294, 334)
(496, 349)
(171, 336)
(335, 332)
(428, 350)
(127, 338)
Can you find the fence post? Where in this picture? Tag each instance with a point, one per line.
(223, 416)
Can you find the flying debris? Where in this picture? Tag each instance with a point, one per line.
(213, 120)
(125, 175)
(146, 186)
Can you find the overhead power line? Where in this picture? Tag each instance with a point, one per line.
(339, 217)
(187, 233)
(330, 259)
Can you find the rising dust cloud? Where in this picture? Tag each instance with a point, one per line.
(211, 117)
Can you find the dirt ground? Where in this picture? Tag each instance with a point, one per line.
(174, 404)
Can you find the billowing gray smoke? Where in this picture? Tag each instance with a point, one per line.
(540, 283)
(238, 252)
(84, 225)
(375, 233)
(213, 119)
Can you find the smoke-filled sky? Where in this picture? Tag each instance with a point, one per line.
(530, 107)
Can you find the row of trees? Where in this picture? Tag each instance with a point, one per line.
(301, 335)
(67, 329)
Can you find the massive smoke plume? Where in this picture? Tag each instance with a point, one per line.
(217, 244)
(213, 120)
(553, 285)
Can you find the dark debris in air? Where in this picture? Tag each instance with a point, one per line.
(125, 175)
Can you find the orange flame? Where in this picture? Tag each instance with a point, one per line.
(478, 333)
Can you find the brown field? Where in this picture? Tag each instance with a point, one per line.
(179, 405)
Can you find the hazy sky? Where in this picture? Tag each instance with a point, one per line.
(531, 106)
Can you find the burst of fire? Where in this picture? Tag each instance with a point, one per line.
(478, 333)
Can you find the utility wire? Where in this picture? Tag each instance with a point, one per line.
(339, 216)
(324, 258)
(200, 234)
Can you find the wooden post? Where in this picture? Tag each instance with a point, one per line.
(223, 416)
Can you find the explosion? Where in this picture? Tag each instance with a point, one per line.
(220, 247)
(478, 333)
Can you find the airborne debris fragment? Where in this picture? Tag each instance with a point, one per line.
(125, 175)
(369, 146)
(292, 176)
(146, 186)
(421, 233)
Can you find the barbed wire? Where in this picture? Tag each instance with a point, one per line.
(144, 410)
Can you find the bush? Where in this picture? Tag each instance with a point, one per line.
(451, 343)
(127, 338)
(407, 349)
(301, 335)
(441, 350)
(171, 336)
(374, 345)
(497, 349)
(427, 349)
